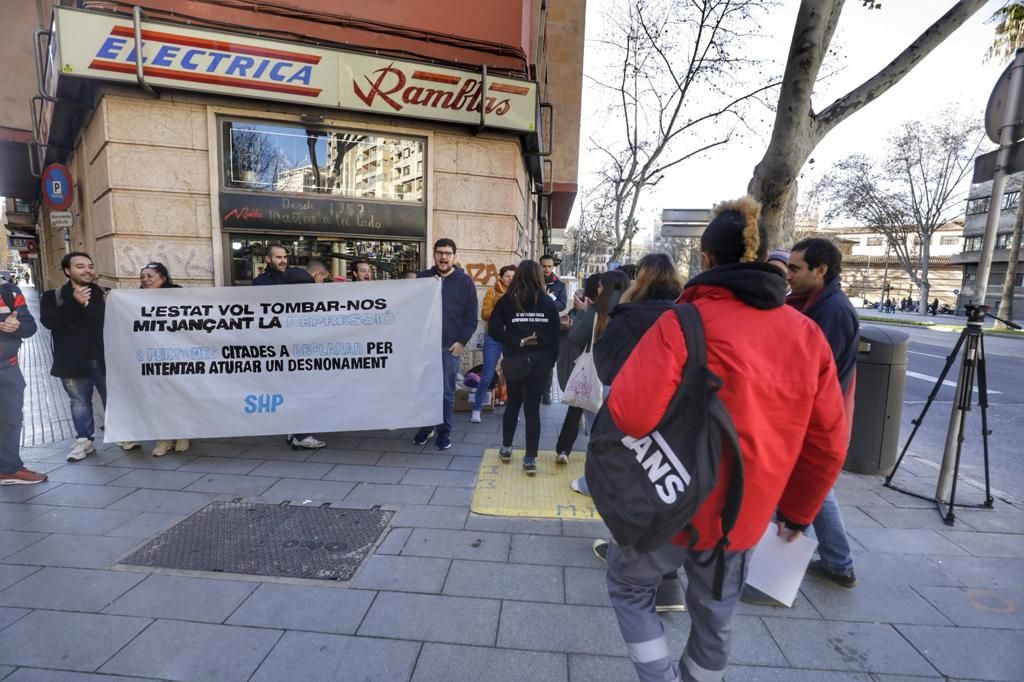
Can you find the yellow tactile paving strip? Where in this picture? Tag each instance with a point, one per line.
(506, 490)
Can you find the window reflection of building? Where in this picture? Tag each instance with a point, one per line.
(389, 259)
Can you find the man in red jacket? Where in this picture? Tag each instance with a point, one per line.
(781, 389)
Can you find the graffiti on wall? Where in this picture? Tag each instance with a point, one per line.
(483, 274)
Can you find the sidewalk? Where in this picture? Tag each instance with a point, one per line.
(449, 595)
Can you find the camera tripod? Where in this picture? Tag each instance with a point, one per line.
(972, 342)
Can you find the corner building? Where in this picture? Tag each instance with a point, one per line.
(342, 129)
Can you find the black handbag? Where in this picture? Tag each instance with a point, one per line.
(517, 368)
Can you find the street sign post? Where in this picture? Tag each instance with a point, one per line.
(62, 219)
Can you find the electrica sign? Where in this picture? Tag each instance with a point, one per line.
(102, 45)
(58, 190)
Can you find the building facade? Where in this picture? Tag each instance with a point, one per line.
(347, 130)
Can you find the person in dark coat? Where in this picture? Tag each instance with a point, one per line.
(16, 323)
(572, 346)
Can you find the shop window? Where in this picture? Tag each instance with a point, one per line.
(972, 244)
(949, 240)
(1010, 200)
(281, 158)
(1003, 240)
(977, 205)
(22, 206)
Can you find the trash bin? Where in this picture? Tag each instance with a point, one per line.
(878, 400)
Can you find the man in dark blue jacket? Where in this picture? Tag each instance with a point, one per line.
(16, 323)
(556, 290)
(814, 267)
(458, 322)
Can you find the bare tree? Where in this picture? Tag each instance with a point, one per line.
(913, 191)
(591, 234)
(799, 127)
(678, 67)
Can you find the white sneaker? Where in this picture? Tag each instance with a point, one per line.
(182, 445)
(83, 448)
(475, 417)
(162, 447)
(562, 458)
(129, 444)
(309, 443)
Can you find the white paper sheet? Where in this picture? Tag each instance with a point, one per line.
(777, 567)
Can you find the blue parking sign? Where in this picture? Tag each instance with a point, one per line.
(58, 190)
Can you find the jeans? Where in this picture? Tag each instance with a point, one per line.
(12, 399)
(80, 389)
(526, 394)
(450, 367)
(492, 351)
(833, 547)
(570, 429)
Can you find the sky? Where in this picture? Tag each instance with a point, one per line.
(866, 40)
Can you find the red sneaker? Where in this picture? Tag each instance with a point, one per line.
(22, 477)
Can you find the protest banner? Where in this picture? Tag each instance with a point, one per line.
(247, 361)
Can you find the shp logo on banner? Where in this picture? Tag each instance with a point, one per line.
(305, 358)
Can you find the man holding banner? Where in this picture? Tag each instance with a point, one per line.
(458, 322)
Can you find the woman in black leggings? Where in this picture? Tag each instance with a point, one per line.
(525, 322)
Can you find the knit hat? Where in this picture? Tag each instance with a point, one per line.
(781, 255)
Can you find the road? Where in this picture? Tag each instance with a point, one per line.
(927, 353)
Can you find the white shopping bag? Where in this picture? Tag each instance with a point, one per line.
(584, 389)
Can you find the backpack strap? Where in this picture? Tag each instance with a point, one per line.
(696, 348)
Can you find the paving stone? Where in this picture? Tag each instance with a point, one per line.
(402, 460)
(378, 493)
(990, 521)
(470, 664)
(273, 448)
(168, 596)
(145, 460)
(587, 586)
(491, 440)
(460, 449)
(505, 581)
(899, 499)
(14, 516)
(461, 463)
(80, 521)
(5, 671)
(163, 501)
(600, 669)
(161, 480)
(864, 647)
(758, 674)
(432, 618)
(896, 517)
(345, 457)
(449, 479)
(403, 574)
(803, 608)
(12, 541)
(507, 524)
(860, 498)
(971, 571)
(970, 653)
(221, 465)
(905, 541)
(986, 544)
(585, 529)
(218, 447)
(395, 541)
(977, 607)
(12, 573)
(24, 493)
(328, 609)
(67, 641)
(308, 656)
(74, 551)
(854, 517)
(69, 473)
(82, 495)
(38, 675)
(70, 589)
(312, 470)
(146, 525)
(553, 550)
(299, 490)
(875, 602)
(177, 650)
(903, 569)
(231, 484)
(559, 628)
(365, 474)
(427, 516)
(11, 615)
(457, 544)
(454, 497)
(752, 644)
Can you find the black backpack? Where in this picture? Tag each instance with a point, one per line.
(648, 489)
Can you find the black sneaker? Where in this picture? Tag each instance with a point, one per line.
(444, 441)
(530, 465)
(847, 579)
(423, 435)
(601, 550)
(669, 596)
(505, 454)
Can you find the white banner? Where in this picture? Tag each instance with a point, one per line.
(249, 361)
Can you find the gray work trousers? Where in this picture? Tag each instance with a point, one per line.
(633, 579)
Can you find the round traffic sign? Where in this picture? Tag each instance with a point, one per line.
(995, 112)
(58, 189)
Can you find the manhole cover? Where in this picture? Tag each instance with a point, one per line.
(324, 543)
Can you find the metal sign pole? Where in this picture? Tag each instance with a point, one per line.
(1007, 139)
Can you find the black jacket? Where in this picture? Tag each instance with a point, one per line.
(628, 323)
(508, 326)
(838, 319)
(556, 288)
(77, 331)
(289, 276)
(574, 342)
(10, 343)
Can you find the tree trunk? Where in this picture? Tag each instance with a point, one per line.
(1006, 300)
(925, 285)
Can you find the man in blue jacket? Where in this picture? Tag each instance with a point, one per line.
(16, 323)
(458, 322)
